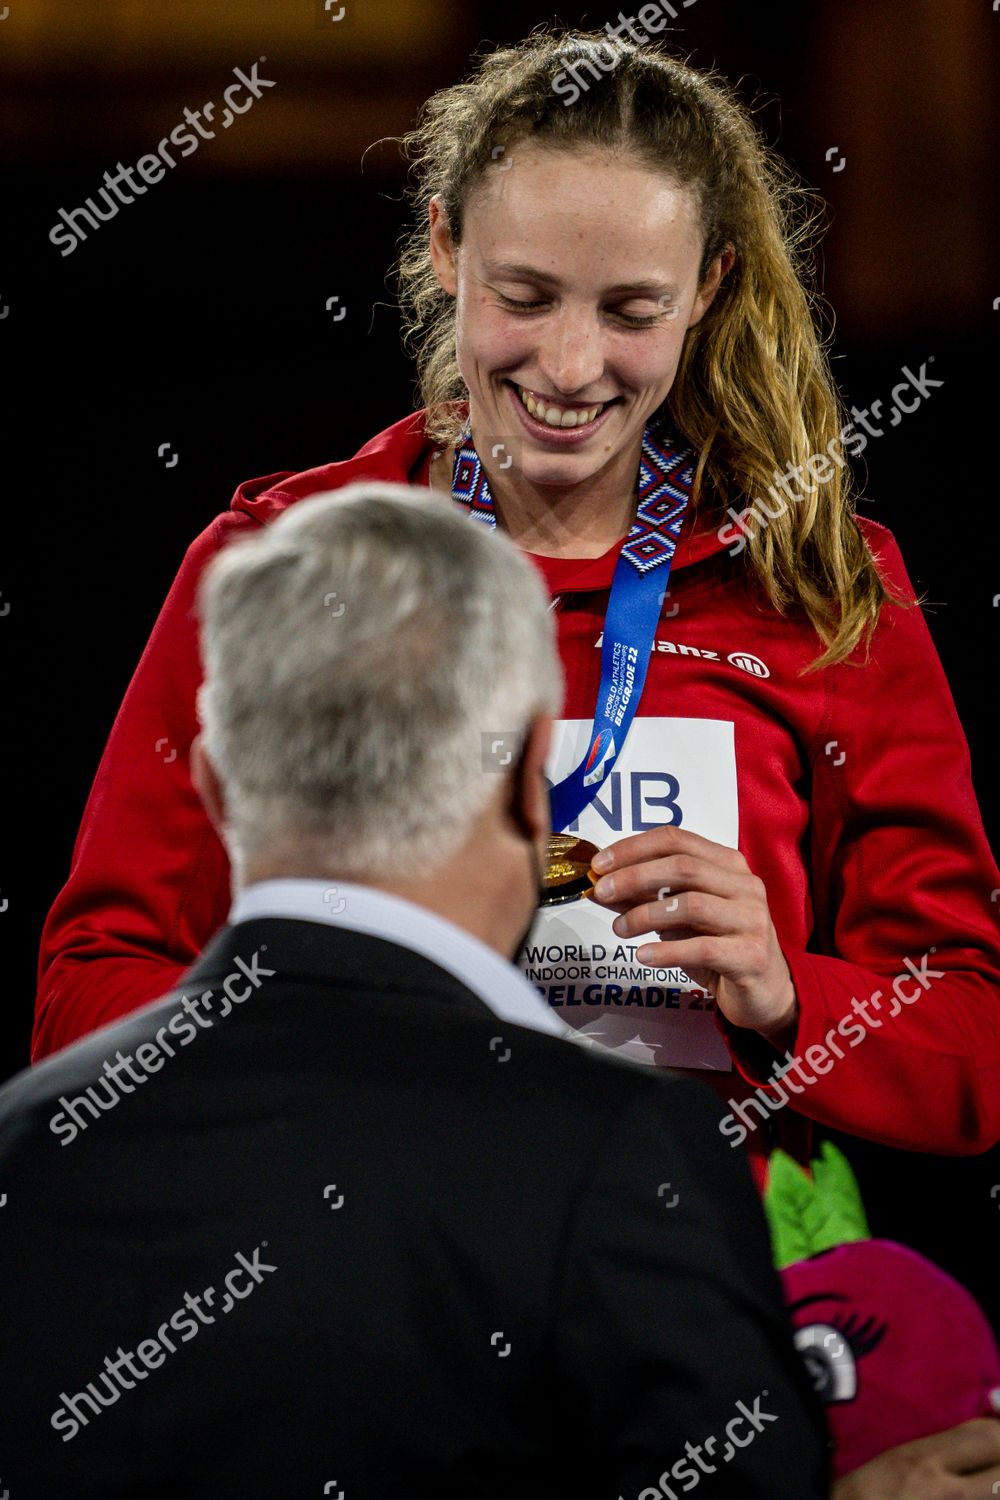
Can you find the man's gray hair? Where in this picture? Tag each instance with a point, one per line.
(373, 660)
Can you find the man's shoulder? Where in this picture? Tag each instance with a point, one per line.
(29, 1097)
(540, 1082)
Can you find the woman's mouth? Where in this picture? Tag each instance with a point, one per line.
(542, 414)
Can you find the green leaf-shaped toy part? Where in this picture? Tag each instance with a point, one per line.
(809, 1215)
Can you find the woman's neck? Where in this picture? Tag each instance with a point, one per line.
(580, 526)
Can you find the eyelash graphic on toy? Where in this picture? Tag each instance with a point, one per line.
(832, 1347)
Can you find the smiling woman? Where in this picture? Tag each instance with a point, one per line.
(647, 204)
(610, 306)
(569, 353)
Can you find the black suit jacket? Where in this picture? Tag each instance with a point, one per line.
(350, 1234)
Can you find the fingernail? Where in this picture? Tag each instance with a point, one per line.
(994, 1398)
(602, 861)
(605, 888)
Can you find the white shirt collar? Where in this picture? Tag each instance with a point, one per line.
(364, 909)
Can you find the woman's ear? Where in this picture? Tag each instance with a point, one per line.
(720, 267)
(442, 246)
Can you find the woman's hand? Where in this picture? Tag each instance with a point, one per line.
(962, 1463)
(711, 914)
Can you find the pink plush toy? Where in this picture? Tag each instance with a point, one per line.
(896, 1348)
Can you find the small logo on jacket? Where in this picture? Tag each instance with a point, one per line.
(748, 663)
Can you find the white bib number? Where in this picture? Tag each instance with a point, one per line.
(670, 771)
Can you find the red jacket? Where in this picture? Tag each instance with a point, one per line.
(856, 809)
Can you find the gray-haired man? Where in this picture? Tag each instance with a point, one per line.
(347, 1213)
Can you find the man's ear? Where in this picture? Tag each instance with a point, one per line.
(206, 783)
(529, 789)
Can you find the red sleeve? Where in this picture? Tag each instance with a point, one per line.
(902, 881)
(149, 879)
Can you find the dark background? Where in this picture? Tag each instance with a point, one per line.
(198, 317)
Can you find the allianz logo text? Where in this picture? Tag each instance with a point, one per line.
(745, 660)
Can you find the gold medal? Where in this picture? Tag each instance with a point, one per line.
(567, 871)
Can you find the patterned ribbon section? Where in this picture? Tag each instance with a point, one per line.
(663, 489)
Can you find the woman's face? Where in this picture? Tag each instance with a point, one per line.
(576, 281)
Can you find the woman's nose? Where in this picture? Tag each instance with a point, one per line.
(571, 356)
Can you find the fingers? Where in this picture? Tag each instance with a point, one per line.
(666, 880)
(697, 956)
(656, 843)
(968, 1448)
(682, 916)
(929, 1468)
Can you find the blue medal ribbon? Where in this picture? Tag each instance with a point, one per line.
(638, 588)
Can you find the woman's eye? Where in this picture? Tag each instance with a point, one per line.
(829, 1360)
(632, 319)
(514, 302)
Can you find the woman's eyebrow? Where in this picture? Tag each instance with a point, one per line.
(531, 273)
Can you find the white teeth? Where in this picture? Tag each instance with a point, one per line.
(559, 416)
